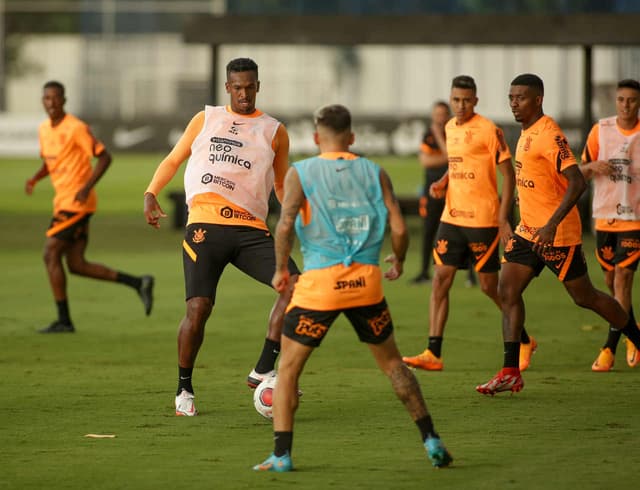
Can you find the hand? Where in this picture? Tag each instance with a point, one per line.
(152, 210)
(82, 195)
(395, 271)
(543, 238)
(438, 189)
(601, 167)
(280, 281)
(505, 232)
(28, 186)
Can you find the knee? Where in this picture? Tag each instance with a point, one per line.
(583, 299)
(76, 266)
(198, 310)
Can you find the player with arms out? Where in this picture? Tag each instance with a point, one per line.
(475, 217)
(338, 204)
(67, 149)
(549, 233)
(611, 157)
(236, 155)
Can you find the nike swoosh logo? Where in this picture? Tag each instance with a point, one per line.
(341, 169)
(126, 138)
(183, 377)
(235, 123)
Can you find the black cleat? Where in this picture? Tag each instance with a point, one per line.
(146, 293)
(58, 327)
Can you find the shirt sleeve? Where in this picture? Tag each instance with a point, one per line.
(180, 152)
(592, 146)
(498, 146)
(84, 139)
(280, 146)
(560, 152)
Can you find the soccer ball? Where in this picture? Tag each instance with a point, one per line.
(263, 397)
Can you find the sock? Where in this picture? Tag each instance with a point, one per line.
(512, 354)
(267, 360)
(435, 346)
(184, 379)
(524, 336)
(613, 338)
(425, 425)
(134, 282)
(631, 330)
(63, 312)
(283, 442)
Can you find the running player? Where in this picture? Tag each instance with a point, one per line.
(549, 233)
(67, 149)
(611, 157)
(338, 204)
(237, 155)
(475, 218)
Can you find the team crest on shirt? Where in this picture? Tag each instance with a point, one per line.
(198, 235)
(380, 322)
(442, 247)
(527, 144)
(607, 253)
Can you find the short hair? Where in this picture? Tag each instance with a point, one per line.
(335, 117)
(530, 80)
(242, 64)
(54, 84)
(629, 83)
(441, 103)
(464, 81)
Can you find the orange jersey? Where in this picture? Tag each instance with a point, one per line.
(589, 154)
(475, 148)
(338, 287)
(541, 155)
(68, 150)
(211, 207)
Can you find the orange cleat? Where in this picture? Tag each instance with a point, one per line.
(426, 361)
(633, 356)
(604, 362)
(526, 351)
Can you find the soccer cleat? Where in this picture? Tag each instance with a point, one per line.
(255, 378)
(146, 293)
(426, 361)
(438, 454)
(276, 463)
(526, 351)
(184, 404)
(58, 327)
(633, 356)
(604, 362)
(507, 379)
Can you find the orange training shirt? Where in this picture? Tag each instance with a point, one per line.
(541, 155)
(68, 150)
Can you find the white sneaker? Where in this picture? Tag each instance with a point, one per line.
(184, 404)
(255, 378)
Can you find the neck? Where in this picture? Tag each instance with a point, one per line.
(57, 120)
(627, 123)
(532, 121)
(332, 147)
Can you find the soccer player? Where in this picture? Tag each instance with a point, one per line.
(475, 217)
(67, 149)
(338, 204)
(433, 158)
(549, 233)
(611, 157)
(237, 154)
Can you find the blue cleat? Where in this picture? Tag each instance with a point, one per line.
(276, 463)
(438, 454)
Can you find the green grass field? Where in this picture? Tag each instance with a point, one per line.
(570, 428)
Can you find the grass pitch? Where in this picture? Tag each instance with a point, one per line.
(569, 427)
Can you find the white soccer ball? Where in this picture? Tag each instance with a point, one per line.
(263, 397)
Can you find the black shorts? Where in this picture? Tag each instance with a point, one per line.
(565, 262)
(208, 248)
(621, 248)
(69, 226)
(455, 245)
(372, 323)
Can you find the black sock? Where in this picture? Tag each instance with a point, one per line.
(425, 425)
(63, 312)
(631, 330)
(511, 354)
(524, 336)
(184, 379)
(267, 360)
(134, 282)
(283, 442)
(435, 346)
(613, 338)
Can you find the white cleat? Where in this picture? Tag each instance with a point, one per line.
(184, 404)
(255, 378)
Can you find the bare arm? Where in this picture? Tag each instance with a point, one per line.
(280, 161)
(285, 230)
(597, 167)
(104, 161)
(506, 199)
(40, 174)
(544, 236)
(399, 233)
